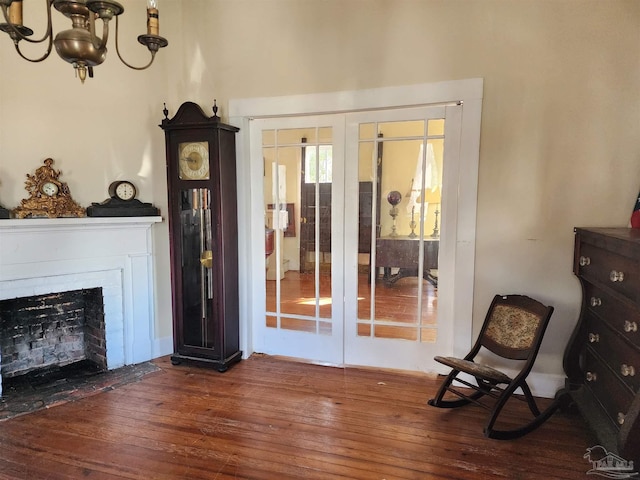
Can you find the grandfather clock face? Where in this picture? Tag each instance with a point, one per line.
(193, 161)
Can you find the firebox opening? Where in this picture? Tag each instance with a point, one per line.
(54, 377)
(44, 335)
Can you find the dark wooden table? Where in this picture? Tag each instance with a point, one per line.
(402, 253)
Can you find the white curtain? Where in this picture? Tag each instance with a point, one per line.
(431, 176)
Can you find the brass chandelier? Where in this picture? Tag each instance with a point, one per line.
(80, 46)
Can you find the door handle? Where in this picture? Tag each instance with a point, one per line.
(206, 259)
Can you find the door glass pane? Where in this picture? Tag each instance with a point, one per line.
(268, 138)
(367, 131)
(197, 262)
(368, 218)
(435, 127)
(432, 197)
(297, 202)
(271, 253)
(295, 136)
(399, 184)
(401, 129)
(316, 191)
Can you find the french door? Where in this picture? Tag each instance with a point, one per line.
(355, 207)
(393, 314)
(303, 204)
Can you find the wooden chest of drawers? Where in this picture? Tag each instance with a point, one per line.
(602, 359)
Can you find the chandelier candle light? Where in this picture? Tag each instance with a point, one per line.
(80, 46)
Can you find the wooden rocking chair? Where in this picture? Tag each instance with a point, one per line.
(513, 329)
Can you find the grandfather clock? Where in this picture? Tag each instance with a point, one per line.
(203, 228)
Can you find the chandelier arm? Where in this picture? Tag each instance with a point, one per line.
(35, 60)
(13, 30)
(153, 54)
(105, 32)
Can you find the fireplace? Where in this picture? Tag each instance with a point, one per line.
(52, 330)
(51, 257)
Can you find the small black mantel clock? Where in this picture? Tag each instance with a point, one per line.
(203, 226)
(122, 202)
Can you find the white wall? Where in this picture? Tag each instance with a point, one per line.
(561, 110)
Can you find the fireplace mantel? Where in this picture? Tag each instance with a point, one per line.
(36, 240)
(42, 255)
(41, 222)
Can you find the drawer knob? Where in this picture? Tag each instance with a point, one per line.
(595, 302)
(594, 338)
(627, 370)
(591, 376)
(620, 418)
(584, 261)
(616, 276)
(630, 326)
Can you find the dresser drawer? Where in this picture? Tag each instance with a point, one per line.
(612, 394)
(603, 354)
(618, 354)
(617, 272)
(622, 317)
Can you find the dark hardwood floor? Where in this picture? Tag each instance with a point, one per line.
(269, 418)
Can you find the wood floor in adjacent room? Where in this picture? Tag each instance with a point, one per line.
(268, 418)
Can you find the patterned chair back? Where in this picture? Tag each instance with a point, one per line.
(513, 325)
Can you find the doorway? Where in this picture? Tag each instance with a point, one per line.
(334, 306)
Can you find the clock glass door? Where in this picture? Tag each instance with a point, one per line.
(196, 273)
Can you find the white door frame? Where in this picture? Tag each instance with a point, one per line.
(468, 91)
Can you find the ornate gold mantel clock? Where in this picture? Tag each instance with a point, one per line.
(203, 226)
(48, 196)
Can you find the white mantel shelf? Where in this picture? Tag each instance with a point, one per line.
(45, 242)
(12, 223)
